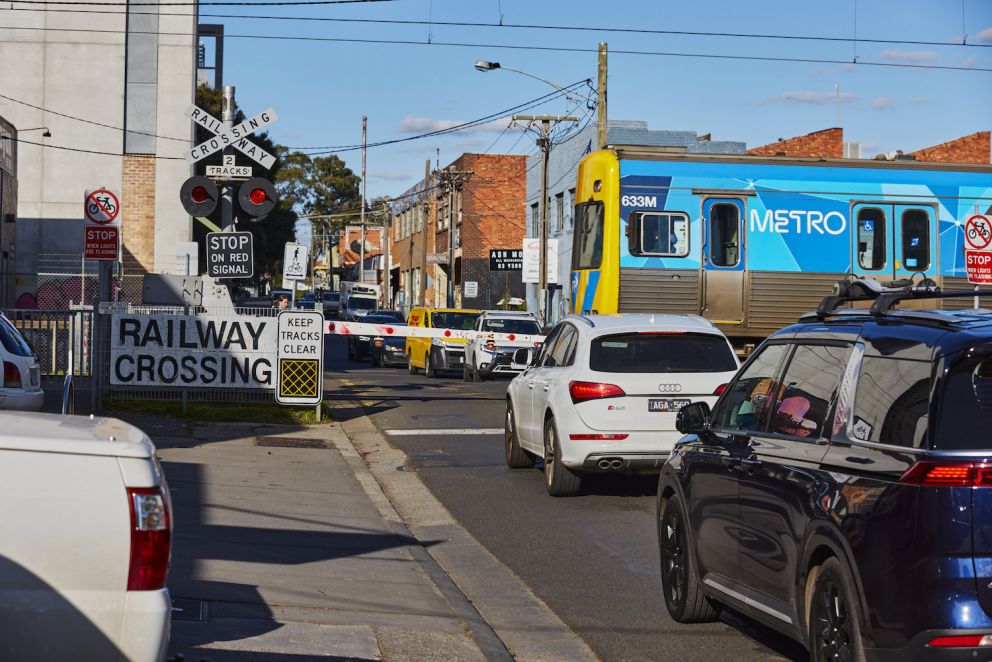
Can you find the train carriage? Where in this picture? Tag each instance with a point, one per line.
(753, 242)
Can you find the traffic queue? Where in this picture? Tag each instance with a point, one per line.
(832, 488)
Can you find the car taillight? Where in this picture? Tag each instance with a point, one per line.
(720, 389)
(11, 375)
(613, 436)
(949, 474)
(961, 641)
(581, 391)
(151, 530)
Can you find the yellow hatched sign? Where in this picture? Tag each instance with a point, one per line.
(300, 356)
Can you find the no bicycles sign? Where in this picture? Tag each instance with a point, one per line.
(102, 206)
(978, 233)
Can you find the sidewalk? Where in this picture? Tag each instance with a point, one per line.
(288, 550)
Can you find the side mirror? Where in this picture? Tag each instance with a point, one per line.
(693, 418)
(523, 357)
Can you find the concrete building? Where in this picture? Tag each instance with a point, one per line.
(480, 196)
(8, 210)
(111, 89)
(563, 166)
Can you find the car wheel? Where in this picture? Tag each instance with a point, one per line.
(679, 580)
(429, 370)
(559, 479)
(834, 624)
(516, 457)
(410, 368)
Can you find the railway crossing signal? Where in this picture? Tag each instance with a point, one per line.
(257, 198)
(199, 196)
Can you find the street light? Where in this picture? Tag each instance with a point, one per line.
(46, 134)
(486, 65)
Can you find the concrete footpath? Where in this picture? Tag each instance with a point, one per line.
(286, 549)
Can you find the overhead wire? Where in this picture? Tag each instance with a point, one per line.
(499, 25)
(526, 47)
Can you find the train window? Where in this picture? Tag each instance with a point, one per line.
(916, 239)
(663, 235)
(587, 250)
(725, 236)
(871, 238)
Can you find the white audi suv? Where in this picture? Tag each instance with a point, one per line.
(602, 392)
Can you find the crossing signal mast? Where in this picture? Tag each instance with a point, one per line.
(202, 195)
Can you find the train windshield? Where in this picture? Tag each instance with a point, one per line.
(587, 252)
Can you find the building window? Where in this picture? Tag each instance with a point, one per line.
(559, 212)
(570, 218)
(535, 218)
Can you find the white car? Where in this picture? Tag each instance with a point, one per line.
(86, 540)
(20, 388)
(603, 391)
(485, 357)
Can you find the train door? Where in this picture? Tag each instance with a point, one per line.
(724, 259)
(894, 240)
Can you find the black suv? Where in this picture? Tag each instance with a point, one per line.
(840, 491)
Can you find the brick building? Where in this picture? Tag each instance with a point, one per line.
(480, 196)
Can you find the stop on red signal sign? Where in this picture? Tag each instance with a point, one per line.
(102, 242)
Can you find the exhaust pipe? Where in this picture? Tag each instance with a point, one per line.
(604, 464)
(610, 464)
(616, 464)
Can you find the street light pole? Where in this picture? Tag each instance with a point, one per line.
(544, 144)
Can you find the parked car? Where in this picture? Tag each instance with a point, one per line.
(839, 490)
(330, 303)
(21, 385)
(86, 533)
(434, 355)
(603, 391)
(306, 302)
(389, 350)
(485, 357)
(360, 346)
(357, 306)
(395, 314)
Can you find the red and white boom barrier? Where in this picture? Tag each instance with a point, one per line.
(401, 331)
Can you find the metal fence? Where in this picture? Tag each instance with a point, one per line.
(55, 335)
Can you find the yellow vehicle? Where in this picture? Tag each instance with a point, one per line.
(434, 355)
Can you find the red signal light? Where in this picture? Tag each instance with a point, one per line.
(257, 196)
(198, 195)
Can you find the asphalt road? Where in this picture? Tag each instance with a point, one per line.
(593, 559)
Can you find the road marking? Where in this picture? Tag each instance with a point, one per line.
(443, 431)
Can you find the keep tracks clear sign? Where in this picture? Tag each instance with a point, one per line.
(196, 351)
(301, 351)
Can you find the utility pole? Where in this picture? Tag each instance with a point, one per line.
(425, 216)
(601, 137)
(453, 180)
(387, 274)
(227, 193)
(361, 249)
(544, 143)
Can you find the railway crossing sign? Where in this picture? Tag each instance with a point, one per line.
(236, 136)
(102, 206)
(300, 352)
(102, 242)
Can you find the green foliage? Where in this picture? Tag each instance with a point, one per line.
(319, 184)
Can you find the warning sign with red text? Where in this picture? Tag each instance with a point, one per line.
(102, 242)
(979, 267)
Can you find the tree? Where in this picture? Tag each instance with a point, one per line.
(318, 185)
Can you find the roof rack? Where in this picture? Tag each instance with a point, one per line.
(887, 295)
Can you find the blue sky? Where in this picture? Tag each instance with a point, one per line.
(321, 89)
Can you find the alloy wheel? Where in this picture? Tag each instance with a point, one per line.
(831, 623)
(550, 442)
(674, 561)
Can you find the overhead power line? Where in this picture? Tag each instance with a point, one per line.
(526, 26)
(523, 47)
(194, 3)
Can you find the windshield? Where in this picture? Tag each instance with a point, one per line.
(383, 319)
(459, 321)
(655, 352)
(523, 327)
(12, 340)
(587, 241)
(361, 303)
